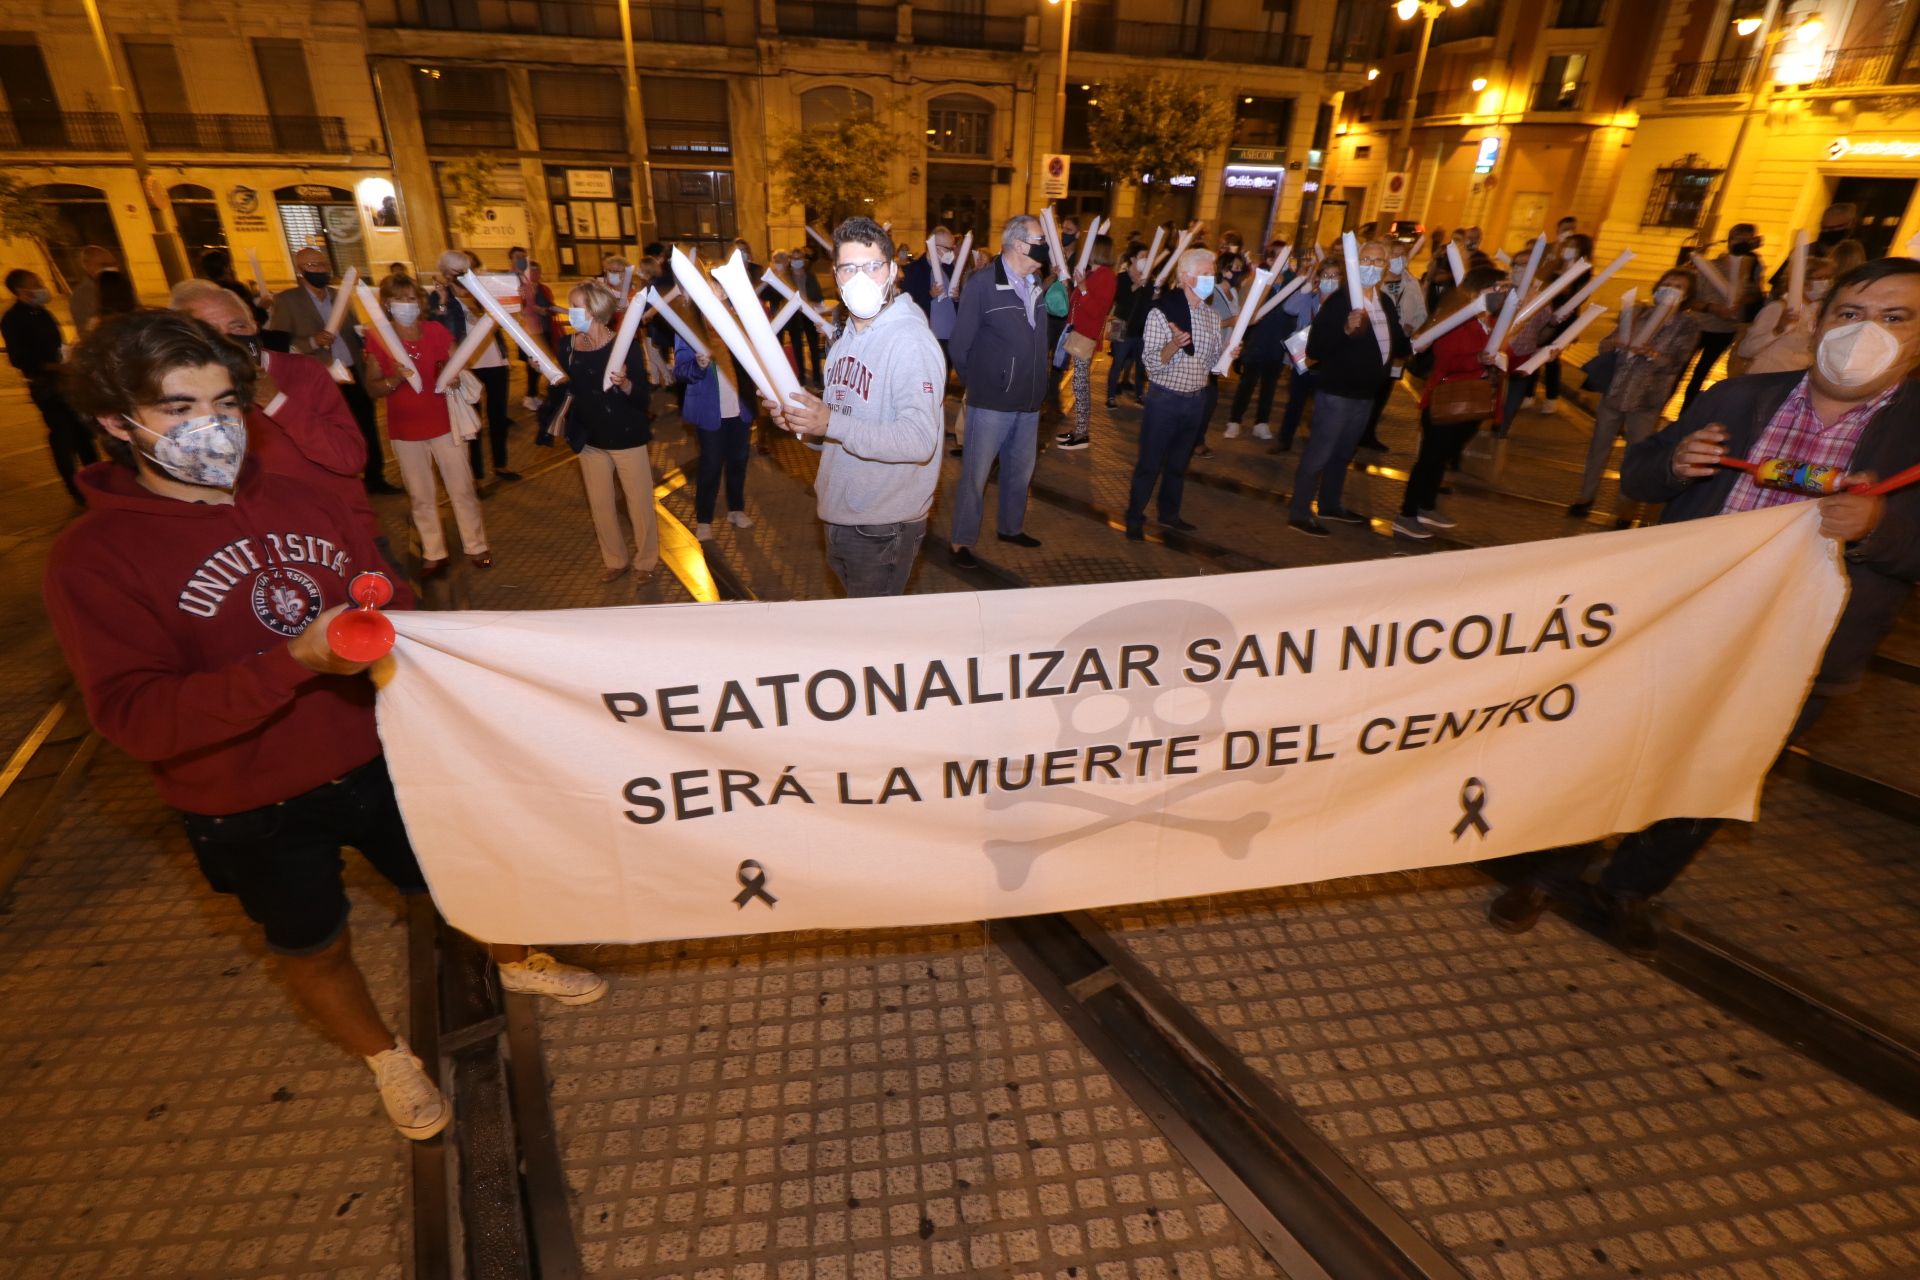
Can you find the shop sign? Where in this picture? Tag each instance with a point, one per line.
(1256, 155)
(243, 209)
(500, 226)
(1874, 149)
(1488, 155)
(590, 184)
(1245, 179)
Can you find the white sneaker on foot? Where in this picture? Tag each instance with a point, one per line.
(1434, 520)
(1261, 431)
(414, 1102)
(1526, 402)
(739, 519)
(541, 975)
(1410, 527)
(1232, 432)
(530, 402)
(703, 531)
(1550, 405)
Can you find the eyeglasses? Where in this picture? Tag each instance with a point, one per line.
(845, 270)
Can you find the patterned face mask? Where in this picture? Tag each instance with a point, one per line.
(207, 450)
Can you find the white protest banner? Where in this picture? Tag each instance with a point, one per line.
(1179, 247)
(662, 308)
(1552, 350)
(1057, 256)
(1281, 295)
(792, 295)
(717, 769)
(962, 263)
(622, 342)
(1711, 274)
(493, 302)
(1502, 322)
(1541, 297)
(724, 326)
(1439, 329)
(732, 276)
(1797, 272)
(1458, 263)
(822, 241)
(1623, 331)
(1153, 250)
(388, 339)
(1586, 291)
(478, 333)
(1261, 279)
(342, 304)
(1350, 253)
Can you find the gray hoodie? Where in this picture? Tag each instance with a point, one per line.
(881, 459)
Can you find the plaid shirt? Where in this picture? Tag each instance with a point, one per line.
(1796, 432)
(1188, 370)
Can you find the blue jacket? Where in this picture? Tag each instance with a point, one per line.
(999, 355)
(701, 405)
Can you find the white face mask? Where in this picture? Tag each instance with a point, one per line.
(1369, 275)
(579, 318)
(207, 450)
(1329, 285)
(946, 257)
(1854, 355)
(614, 278)
(1669, 295)
(864, 295)
(1568, 255)
(405, 313)
(1397, 265)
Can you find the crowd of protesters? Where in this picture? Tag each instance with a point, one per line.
(237, 424)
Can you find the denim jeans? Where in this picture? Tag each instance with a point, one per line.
(1009, 438)
(1338, 424)
(1299, 393)
(1170, 427)
(1126, 365)
(1261, 374)
(874, 559)
(723, 452)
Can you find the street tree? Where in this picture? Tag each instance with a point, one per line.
(467, 184)
(25, 216)
(836, 170)
(1156, 126)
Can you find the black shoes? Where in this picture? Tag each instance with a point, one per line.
(1203, 451)
(1635, 928)
(1579, 510)
(1175, 522)
(1280, 446)
(1069, 442)
(1309, 526)
(1019, 539)
(1136, 533)
(956, 452)
(1518, 909)
(505, 475)
(1341, 515)
(964, 558)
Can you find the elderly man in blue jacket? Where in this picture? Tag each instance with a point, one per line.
(999, 348)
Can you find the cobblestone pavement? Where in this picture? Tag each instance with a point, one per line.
(902, 1103)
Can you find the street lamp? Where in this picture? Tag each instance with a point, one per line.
(173, 255)
(1060, 90)
(1426, 11)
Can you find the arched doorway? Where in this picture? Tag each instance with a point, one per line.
(198, 218)
(85, 218)
(326, 218)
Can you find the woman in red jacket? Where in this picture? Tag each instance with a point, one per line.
(1458, 356)
(1092, 304)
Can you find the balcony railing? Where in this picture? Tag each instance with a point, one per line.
(1353, 53)
(1445, 102)
(467, 128)
(695, 139)
(1178, 40)
(826, 21)
(1558, 95)
(173, 131)
(1474, 22)
(1870, 65)
(1705, 79)
(968, 30)
(685, 24)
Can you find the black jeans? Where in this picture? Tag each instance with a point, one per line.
(1263, 374)
(1647, 862)
(1712, 347)
(67, 436)
(723, 450)
(360, 405)
(494, 382)
(805, 340)
(1439, 441)
(1125, 366)
(1299, 392)
(1170, 427)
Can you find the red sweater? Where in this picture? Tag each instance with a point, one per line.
(1092, 302)
(310, 433)
(1456, 355)
(422, 414)
(175, 616)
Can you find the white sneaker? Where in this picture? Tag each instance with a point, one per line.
(1409, 527)
(531, 402)
(1434, 520)
(1527, 402)
(703, 531)
(1232, 432)
(1261, 431)
(739, 519)
(1549, 405)
(414, 1102)
(541, 975)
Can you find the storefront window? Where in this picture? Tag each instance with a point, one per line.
(592, 215)
(198, 218)
(1679, 195)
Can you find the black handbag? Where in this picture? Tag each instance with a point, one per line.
(1600, 371)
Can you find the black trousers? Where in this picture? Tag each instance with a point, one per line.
(1712, 347)
(1646, 863)
(1439, 443)
(67, 436)
(801, 334)
(1299, 392)
(360, 405)
(1263, 375)
(494, 382)
(723, 452)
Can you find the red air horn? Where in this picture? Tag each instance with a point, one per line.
(364, 634)
(1814, 478)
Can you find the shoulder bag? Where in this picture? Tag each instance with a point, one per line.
(1461, 400)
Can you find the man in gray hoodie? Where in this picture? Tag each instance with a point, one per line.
(880, 424)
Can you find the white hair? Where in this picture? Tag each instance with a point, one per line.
(454, 263)
(188, 292)
(1191, 262)
(1018, 228)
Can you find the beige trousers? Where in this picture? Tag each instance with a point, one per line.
(598, 468)
(418, 459)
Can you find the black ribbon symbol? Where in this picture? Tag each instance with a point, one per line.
(753, 884)
(1473, 798)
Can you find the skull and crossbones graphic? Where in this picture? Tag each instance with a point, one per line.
(1118, 716)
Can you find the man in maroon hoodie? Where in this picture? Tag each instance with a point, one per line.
(192, 602)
